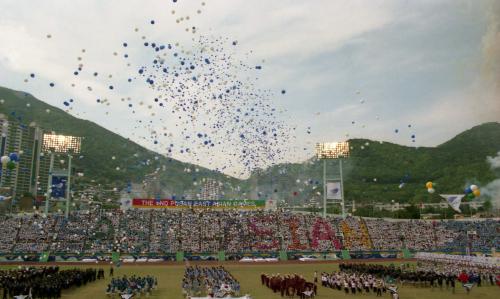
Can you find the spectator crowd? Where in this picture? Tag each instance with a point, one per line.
(198, 231)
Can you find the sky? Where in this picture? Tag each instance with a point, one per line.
(331, 70)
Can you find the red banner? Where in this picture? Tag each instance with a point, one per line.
(197, 204)
(152, 203)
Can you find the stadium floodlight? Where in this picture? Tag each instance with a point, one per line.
(61, 144)
(332, 150)
(329, 151)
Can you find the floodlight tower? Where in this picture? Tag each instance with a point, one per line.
(329, 151)
(60, 144)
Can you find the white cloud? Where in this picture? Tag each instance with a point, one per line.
(494, 161)
(307, 50)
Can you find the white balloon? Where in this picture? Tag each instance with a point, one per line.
(474, 187)
(5, 159)
(431, 190)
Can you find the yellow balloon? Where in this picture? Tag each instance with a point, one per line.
(476, 192)
(428, 185)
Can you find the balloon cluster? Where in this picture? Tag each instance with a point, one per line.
(208, 88)
(10, 161)
(430, 187)
(472, 192)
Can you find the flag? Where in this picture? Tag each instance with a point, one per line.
(333, 190)
(58, 188)
(454, 200)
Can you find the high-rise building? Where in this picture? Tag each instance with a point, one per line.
(42, 175)
(25, 140)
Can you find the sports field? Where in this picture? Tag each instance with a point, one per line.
(170, 276)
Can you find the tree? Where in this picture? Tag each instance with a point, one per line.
(487, 205)
(411, 212)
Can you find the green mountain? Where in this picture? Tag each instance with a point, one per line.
(101, 145)
(372, 173)
(374, 170)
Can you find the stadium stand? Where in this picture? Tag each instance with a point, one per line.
(193, 231)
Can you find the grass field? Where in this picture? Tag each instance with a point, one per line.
(170, 276)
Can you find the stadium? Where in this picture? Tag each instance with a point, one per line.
(250, 149)
(161, 243)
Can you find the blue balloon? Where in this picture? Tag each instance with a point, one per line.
(468, 190)
(14, 157)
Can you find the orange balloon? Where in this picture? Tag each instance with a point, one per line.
(476, 192)
(428, 185)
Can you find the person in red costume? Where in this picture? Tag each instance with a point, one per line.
(463, 277)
